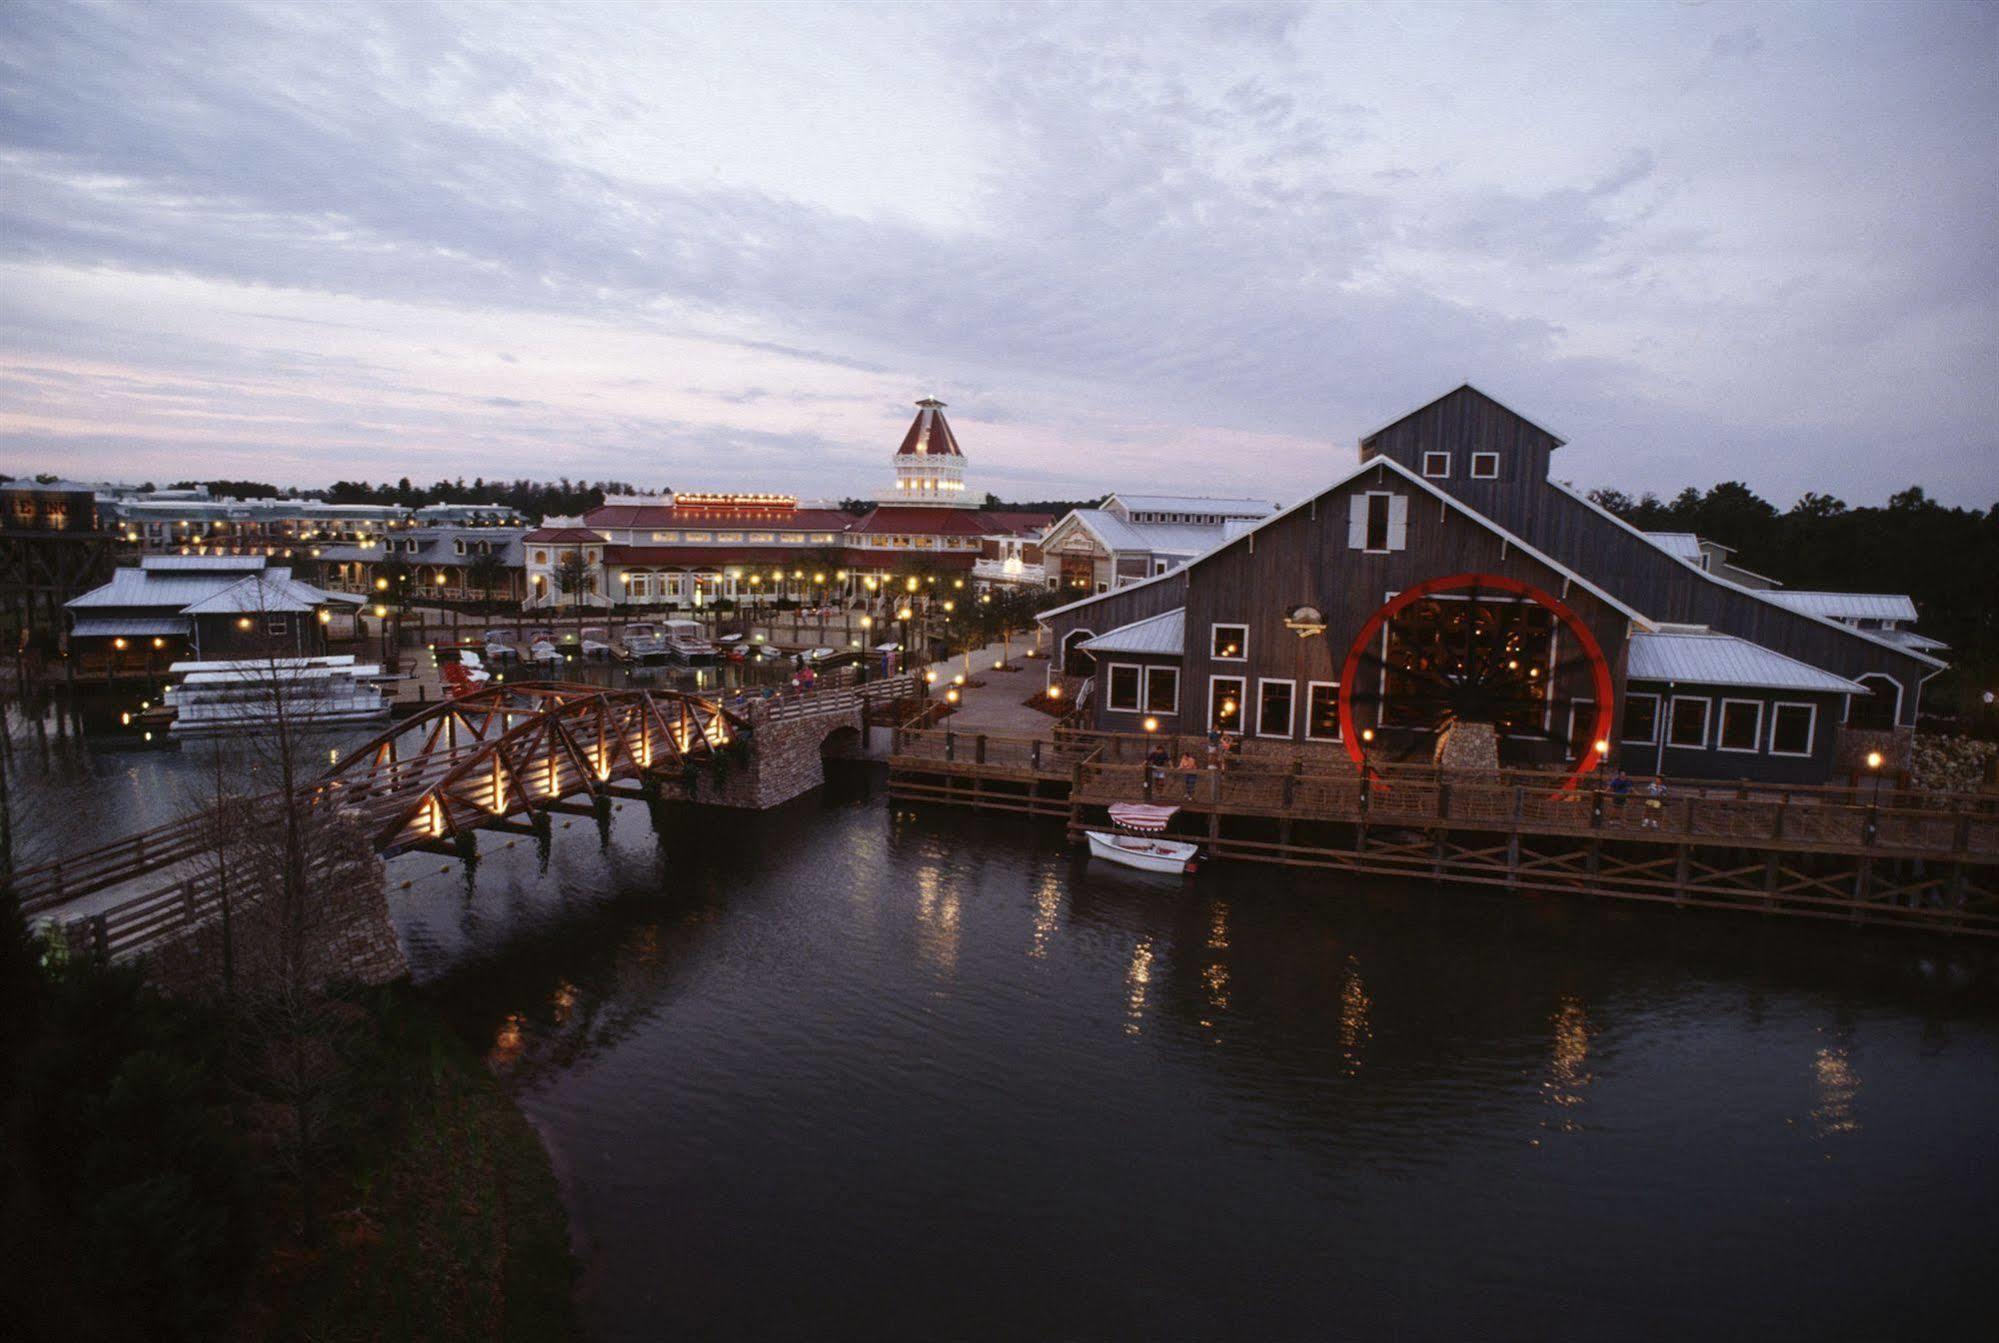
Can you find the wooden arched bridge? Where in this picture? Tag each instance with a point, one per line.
(488, 760)
(473, 762)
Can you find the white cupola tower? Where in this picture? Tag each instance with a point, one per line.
(929, 469)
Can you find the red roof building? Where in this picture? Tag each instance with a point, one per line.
(694, 548)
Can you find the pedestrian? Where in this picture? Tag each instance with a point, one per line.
(1214, 748)
(1655, 802)
(1620, 789)
(1155, 767)
(1189, 770)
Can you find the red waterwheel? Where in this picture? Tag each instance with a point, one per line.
(1493, 650)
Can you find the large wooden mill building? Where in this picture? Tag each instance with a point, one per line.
(1446, 579)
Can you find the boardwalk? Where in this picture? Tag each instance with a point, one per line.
(1924, 860)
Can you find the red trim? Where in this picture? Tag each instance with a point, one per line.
(1350, 732)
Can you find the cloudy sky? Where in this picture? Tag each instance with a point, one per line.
(1199, 247)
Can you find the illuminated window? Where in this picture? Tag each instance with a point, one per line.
(1229, 643)
(1225, 694)
(1322, 711)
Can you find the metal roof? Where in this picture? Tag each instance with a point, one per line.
(1846, 605)
(241, 564)
(143, 587)
(1168, 538)
(1161, 634)
(1911, 639)
(1191, 503)
(929, 433)
(1681, 545)
(1723, 659)
(137, 627)
(271, 591)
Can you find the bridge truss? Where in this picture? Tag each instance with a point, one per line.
(475, 761)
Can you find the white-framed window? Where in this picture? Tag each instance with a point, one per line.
(1121, 687)
(1793, 727)
(1437, 465)
(1322, 711)
(1274, 702)
(276, 625)
(638, 587)
(1641, 720)
(1485, 466)
(1162, 690)
(1882, 709)
(1228, 643)
(1225, 696)
(458, 546)
(1686, 725)
(1377, 522)
(1160, 566)
(1741, 727)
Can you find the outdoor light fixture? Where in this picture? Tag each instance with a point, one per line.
(1874, 760)
(1055, 692)
(1367, 734)
(1152, 725)
(951, 696)
(959, 679)
(118, 643)
(381, 611)
(930, 677)
(903, 614)
(242, 622)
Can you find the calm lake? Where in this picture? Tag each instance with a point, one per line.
(845, 1071)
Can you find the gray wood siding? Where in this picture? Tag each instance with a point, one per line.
(1616, 559)
(1713, 763)
(1118, 608)
(1305, 560)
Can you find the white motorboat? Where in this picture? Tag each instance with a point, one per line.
(237, 696)
(1132, 843)
(686, 643)
(596, 642)
(1147, 855)
(642, 642)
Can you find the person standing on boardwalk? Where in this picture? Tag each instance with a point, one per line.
(1655, 802)
(1620, 789)
(1189, 771)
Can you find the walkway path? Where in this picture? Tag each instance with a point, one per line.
(997, 706)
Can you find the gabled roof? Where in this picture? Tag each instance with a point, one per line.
(1161, 634)
(1709, 658)
(1170, 538)
(273, 591)
(929, 433)
(1461, 387)
(1770, 595)
(1847, 605)
(1379, 463)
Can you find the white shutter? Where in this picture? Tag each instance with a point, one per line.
(1357, 522)
(1398, 521)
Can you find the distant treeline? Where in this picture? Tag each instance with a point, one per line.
(531, 498)
(1947, 559)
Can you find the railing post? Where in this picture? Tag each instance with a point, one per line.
(1034, 755)
(1871, 826)
(950, 744)
(1596, 808)
(979, 748)
(1443, 798)
(100, 936)
(187, 902)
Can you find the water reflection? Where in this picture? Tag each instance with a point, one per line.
(1356, 1019)
(1137, 980)
(937, 919)
(1047, 909)
(1568, 1064)
(1835, 1086)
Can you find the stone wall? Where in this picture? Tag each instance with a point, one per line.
(783, 762)
(1850, 758)
(1468, 748)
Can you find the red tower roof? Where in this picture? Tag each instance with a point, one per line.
(929, 434)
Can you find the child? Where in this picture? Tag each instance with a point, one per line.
(1655, 802)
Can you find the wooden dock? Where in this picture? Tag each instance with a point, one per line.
(1858, 855)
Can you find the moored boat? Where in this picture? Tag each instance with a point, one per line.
(1133, 843)
(236, 696)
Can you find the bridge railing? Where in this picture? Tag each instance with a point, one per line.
(846, 699)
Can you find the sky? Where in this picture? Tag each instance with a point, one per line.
(1194, 247)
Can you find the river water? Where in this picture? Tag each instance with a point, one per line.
(842, 1070)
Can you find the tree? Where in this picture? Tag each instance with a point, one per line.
(571, 575)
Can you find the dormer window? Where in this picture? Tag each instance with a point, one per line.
(1437, 465)
(1485, 466)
